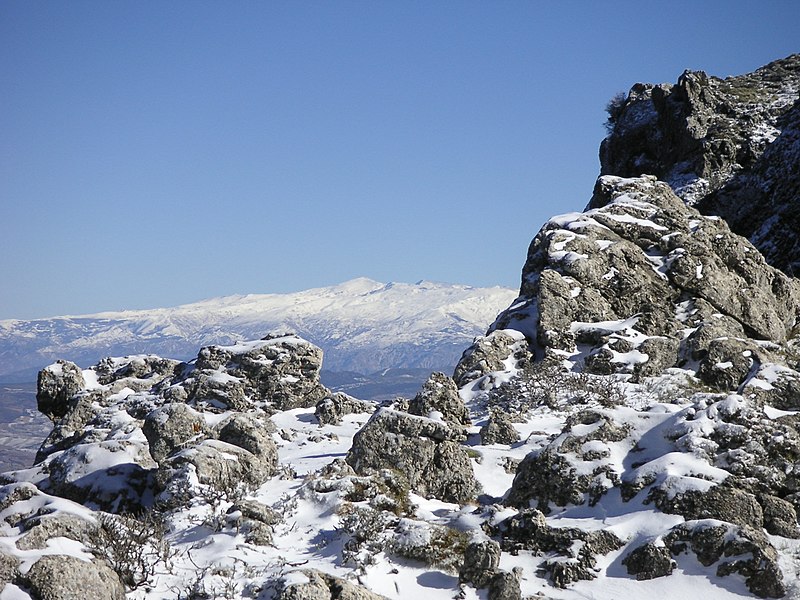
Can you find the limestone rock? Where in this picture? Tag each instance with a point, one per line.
(283, 370)
(623, 283)
(730, 146)
(330, 410)
(577, 550)
(742, 550)
(55, 386)
(780, 517)
(649, 561)
(9, 569)
(171, 427)
(504, 586)
(255, 519)
(439, 394)
(723, 503)
(40, 529)
(253, 434)
(425, 451)
(499, 429)
(218, 464)
(490, 353)
(481, 561)
(550, 475)
(311, 584)
(59, 577)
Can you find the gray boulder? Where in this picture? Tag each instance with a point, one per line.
(322, 586)
(253, 434)
(486, 354)
(282, 370)
(780, 517)
(256, 520)
(9, 569)
(550, 475)
(440, 394)
(330, 410)
(425, 451)
(172, 427)
(621, 283)
(481, 562)
(499, 429)
(741, 550)
(649, 561)
(504, 586)
(220, 465)
(575, 550)
(60, 577)
(721, 502)
(40, 529)
(55, 385)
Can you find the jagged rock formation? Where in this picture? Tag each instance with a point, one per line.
(640, 283)
(730, 146)
(668, 345)
(665, 340)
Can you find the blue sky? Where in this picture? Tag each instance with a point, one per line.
(158, 153)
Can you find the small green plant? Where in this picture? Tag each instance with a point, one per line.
(614, 108)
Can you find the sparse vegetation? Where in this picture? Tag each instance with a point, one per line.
(614, 109)
(136, 548)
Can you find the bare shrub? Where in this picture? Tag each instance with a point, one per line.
(614, 109)
(135, 548)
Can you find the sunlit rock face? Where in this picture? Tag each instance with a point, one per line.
(729, 146)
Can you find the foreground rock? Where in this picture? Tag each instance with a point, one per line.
(427, 452)
(640, 283)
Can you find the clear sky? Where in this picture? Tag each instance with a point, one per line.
(158, 153)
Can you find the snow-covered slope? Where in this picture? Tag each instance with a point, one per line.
(362, 325)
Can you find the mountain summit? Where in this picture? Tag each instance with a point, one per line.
(361, 325)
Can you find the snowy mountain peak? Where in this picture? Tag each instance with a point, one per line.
(362, 325)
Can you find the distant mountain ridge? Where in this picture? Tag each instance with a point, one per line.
(362, 325)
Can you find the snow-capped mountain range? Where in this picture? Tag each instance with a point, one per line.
(361, 325)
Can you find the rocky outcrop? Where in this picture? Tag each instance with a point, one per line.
(499, 429)
(742, 550)
(330, 410)
(148, 425)
(491, 353)
(574, 551)
(481, 563)
(640, 283)
(439, 396)
(730, 146)
(281, 370)
(427, 452)
(56, 385)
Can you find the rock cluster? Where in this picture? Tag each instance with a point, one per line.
(730, 146)
(640, 283)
